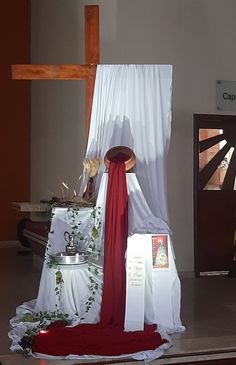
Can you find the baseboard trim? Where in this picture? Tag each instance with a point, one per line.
(9, 244)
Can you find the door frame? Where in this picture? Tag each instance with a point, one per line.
(202, 121)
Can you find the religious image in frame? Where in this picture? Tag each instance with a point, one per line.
(160, 258)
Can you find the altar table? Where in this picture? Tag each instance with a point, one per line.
(161, 293)
(75, 289)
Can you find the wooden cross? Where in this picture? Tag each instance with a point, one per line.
(85, 72)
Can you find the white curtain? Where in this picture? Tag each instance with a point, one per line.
(132, 107)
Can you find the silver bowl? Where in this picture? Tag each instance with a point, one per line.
(64, 259)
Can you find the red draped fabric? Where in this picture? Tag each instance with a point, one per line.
(116, 232)
(106, 338)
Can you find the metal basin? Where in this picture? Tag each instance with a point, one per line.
(64, 259)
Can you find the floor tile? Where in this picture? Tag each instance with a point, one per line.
(208, 310)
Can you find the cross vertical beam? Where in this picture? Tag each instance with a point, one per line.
(91, 16)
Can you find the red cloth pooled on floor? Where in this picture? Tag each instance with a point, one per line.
(94, 339)
(106, 338)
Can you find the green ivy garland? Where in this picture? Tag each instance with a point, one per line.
(43, 319)
(93, 287)
(53, 263)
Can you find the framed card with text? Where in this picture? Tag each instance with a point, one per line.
(160, 256)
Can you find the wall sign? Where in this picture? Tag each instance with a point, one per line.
(226, 95)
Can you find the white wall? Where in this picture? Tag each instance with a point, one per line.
(58, 128)
(196, 36)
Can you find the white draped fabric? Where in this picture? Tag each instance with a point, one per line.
(132, 107)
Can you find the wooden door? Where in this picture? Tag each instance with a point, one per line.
(214, 192)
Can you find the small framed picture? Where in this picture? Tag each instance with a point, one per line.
(160, 257)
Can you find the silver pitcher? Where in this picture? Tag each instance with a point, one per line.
(71, 247)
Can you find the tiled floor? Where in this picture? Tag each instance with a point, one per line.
(208, 312)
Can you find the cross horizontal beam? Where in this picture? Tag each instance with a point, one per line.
(53, 72)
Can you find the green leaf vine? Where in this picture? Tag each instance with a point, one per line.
(96, 229)
(52, 263)
(93, 286)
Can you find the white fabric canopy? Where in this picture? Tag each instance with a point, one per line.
(132, 107)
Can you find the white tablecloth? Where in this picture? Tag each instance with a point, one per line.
(75, 289)
(75, 292)
(159, 293)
